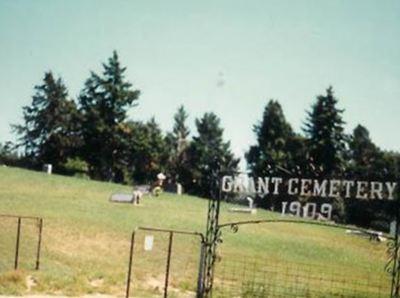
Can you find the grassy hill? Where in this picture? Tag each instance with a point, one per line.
(86, 245)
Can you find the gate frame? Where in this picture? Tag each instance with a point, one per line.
(39, 223)
(171, 232)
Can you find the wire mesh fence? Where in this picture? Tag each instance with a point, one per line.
(244, 277)
(20, 241)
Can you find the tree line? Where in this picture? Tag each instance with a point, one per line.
(93, 136)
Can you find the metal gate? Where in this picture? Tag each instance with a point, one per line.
(153, 269)
(20, 242)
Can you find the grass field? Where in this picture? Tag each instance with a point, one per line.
(86, 246)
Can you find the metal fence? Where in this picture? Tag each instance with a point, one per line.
(20, 242)
(243, 277)
(238, 275)
(155, 268)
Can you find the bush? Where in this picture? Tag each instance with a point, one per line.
(76, 167)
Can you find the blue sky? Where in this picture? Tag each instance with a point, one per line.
(229, 57)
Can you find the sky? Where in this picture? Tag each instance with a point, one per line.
(228, 57)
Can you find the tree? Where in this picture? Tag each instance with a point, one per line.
(324, 129)
(369, 163)
(178, 144)
(147, 154)
(50, 133)
(365, 155)
(277, 144)
(8, 155)
(208, 153)
(104, 102)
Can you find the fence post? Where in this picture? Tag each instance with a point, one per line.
(171, 235)
(128, 282)
(17, 244)
(200, 277)
(39, 244)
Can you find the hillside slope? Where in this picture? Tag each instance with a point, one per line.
(86, 238)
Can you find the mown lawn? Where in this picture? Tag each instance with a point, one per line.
(86, 245)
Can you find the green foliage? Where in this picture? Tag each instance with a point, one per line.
(104, 102)
(277, 144)
(76, 167)
(50, 130)
(177, 143)
(147, 154)
(8, 155)
(369, 162)
(208, 153)
(324, 130)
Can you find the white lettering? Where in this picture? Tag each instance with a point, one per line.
(347, 185)
(276, 181)
(263, 187)
(376, 190)
(334, 189)
(391, 186)
(320, 189)
(361, 193)
(292, 191)
(305, 190)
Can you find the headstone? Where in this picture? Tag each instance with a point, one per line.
(122, 198)
(179, 189)
(48, 168)
(251, 209)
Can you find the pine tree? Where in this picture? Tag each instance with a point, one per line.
(324, 129)
(50, 133)
(208, 154)
(178, 144)
(104, 102)
(277, 144)
(181, 131)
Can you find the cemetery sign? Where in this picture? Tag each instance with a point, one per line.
(325, 188)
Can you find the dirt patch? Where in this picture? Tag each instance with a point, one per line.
(96, 283)
(30, 283)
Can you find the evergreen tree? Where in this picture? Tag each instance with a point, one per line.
(147, 155)
(365, 155)
(368, 162)
(208, 153)
(104, 102)
(178, 144)
(50, 133)
(325, 132)
(277, 144)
